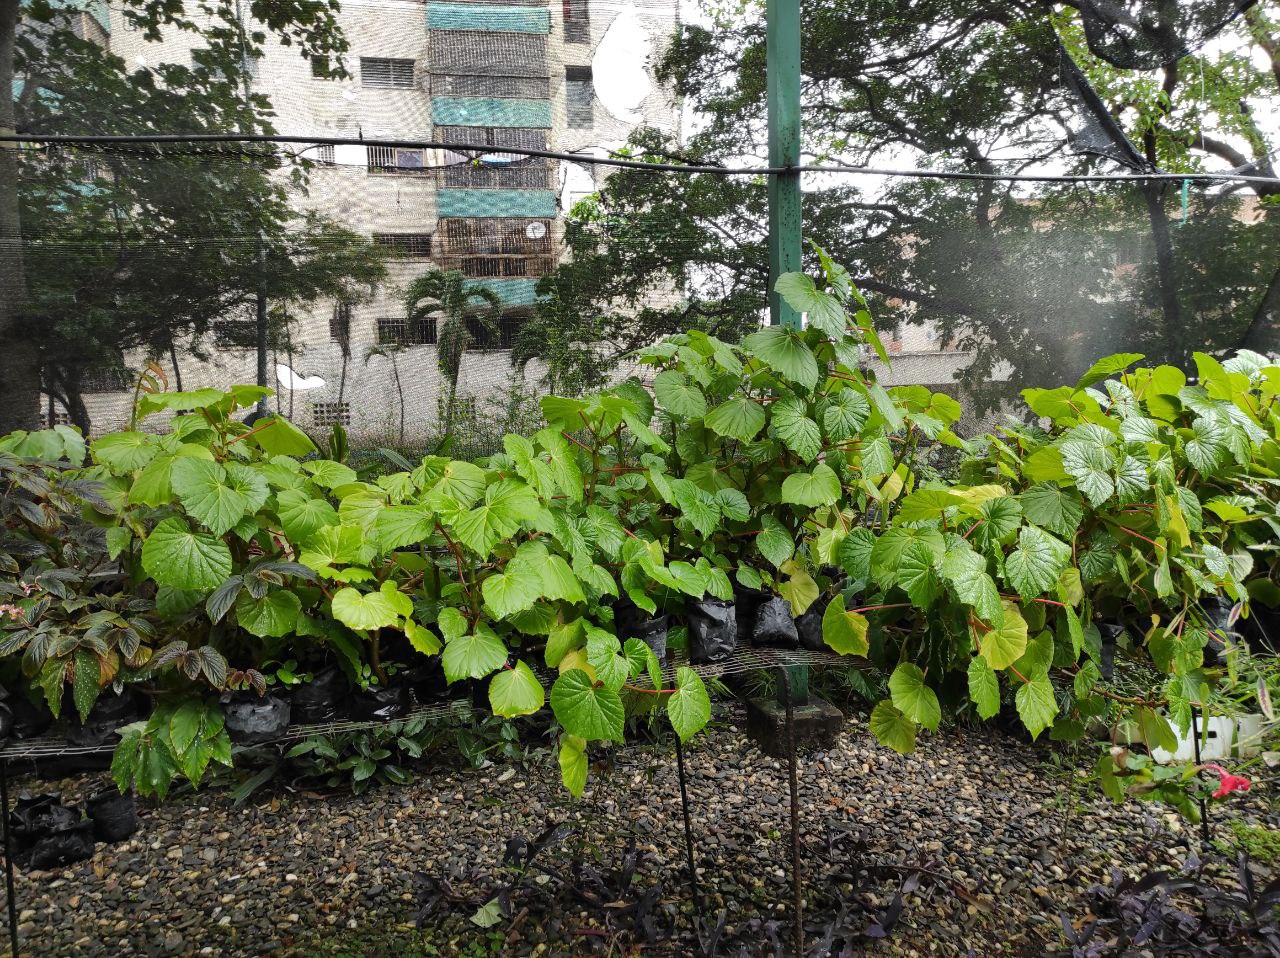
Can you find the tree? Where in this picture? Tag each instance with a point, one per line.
(143, 249)
(1032, 280)
(391, 353)
(457, 305)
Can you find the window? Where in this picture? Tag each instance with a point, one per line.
(405, 245)
(495, 237)
(386, 73)
(525, 139)
(577, 21)
(340, 323)
(321, 68)
(323, 154)
(60, 418)
(500, 335)
(500, 267)
(394, 159)
(473, 52)
(528, 88)
(110, 379)
(331, 413)
(579, 94)
(405, 332)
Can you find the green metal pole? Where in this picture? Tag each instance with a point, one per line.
(782, 79)
(783, 83)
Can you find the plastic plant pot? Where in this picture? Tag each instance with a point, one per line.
(30, 719)
(114, 815)
(1110, 633)
(252, 719)
(381, 703)
(713, 629)
(653, 633)
(110, 712)
(323, 699)
(746, 604)
(809, 625)
(36, 817)
(774, 625)
(65, 846)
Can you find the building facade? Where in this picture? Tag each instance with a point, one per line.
(564, 75)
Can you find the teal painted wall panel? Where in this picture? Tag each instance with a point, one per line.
(485, 111)
(496, 203)
(512, 292)
(475, 16)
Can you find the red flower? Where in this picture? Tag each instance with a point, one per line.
(1227, 783)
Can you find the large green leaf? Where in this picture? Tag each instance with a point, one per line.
(844, 632)
(1206, 450)
(573, 764)
(208, 494)
(1003, 646)
(1036, 704)
(785, 351)
(774, 541)
(984, 687)
(696, 505)
(604, 653)
(965, 571)
(854, 553)
(818, 488)
(1033, 568)
(892, 728)
(175, 556)
(738, 418)
(689, 706)
(913, 697)
(364, 611)
(515, 691)
(845, 414)
(473, 655)
(512, 591)
(1107, 367)
(124, 451)
(395, 527)
(678, 395)
(1056, 509)
(822, 310)
(592, 713)
(303, 515)
(329, 474)
(918, 576)
(1090, 464)
(791, 424)
(926, 504)
(275, 614)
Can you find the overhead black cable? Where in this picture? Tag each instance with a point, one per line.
(470, 150)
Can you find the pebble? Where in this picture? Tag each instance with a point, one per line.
(295, 874)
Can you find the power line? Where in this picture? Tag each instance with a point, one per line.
(470, 150)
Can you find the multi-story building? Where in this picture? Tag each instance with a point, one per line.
(564, 75)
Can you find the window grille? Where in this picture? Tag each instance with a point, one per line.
(340, 323)
(476, 52)
(405, 245)
(60, 418)
(406, 332)
(495, 237)
(324, 155)
(394, 159)
(499, 267)
(386, 73)
(579, 96)
(502, 335)
(330, 413)
(532, 175)
(321, 68)
(577, 22)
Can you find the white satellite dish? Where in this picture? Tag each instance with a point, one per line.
(535, 231)
(291, 380)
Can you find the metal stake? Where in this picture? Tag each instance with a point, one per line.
(1198, 728)
(793, 781)
(10, 895)
(688, 833)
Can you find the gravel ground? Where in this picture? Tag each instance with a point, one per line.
(1004, 841)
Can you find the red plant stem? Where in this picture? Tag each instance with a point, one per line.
(1139, 535)
(1019, 599)
(873, 608)
(973, 527)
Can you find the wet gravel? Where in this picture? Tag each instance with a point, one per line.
(1003, 842)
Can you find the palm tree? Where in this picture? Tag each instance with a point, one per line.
(447, 296)
(389, 352)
